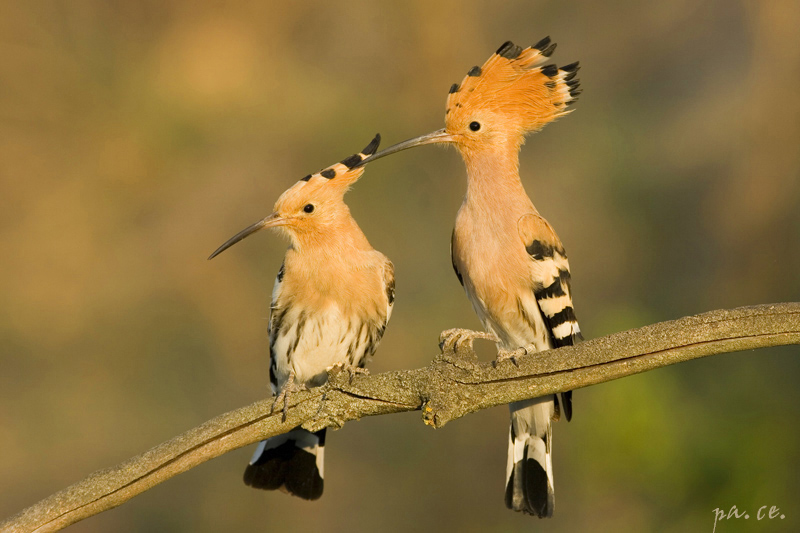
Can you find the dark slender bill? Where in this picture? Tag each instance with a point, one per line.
(242, 234)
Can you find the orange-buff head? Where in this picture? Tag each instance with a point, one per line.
(496, 105)
(314, 205)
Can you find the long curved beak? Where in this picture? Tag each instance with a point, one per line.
(438, 136)
(270, 221)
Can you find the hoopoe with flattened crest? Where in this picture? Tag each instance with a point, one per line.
(330, 305)
(507, 257)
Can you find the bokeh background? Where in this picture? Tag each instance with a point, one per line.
(135, 137)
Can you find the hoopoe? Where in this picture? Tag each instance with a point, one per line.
(507, 257)
(331, 302)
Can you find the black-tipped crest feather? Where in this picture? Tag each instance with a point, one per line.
(351, 161)
(572, 67)
(509, 50)
(372, 147)
(547, 52)
(541, 45)
(549, 70)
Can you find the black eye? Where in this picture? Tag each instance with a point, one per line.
(309, 208)
(474, 126)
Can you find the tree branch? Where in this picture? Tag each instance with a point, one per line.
(453, 385)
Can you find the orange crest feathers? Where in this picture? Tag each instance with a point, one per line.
(514, 84)
(327, 185)
(347, 171)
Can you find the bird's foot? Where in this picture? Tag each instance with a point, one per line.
(510, 355)
(348, 367)
(456, 340)
(290, 387)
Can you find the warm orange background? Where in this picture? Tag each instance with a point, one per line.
(135, 137)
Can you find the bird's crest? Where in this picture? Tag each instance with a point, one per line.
(347, 170)
(517, 84)
(329, 184)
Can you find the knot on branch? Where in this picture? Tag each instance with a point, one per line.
(447, 392)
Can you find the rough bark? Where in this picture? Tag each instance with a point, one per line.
(453, 385)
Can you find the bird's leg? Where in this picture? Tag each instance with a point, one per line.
(452, 340)
(289, 388)
(350, 368)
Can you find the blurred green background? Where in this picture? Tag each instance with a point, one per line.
(135, 137)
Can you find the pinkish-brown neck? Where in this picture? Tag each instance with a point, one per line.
(493, 177)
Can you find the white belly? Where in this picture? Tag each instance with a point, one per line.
(309, 346)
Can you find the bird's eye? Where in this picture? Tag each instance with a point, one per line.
(309, 208)
(474, 126)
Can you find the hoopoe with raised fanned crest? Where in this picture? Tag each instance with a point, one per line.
(507, 257)
(330, 305)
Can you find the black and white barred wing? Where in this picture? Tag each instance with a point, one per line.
(275, 315)
(551, 285)
(388, 283)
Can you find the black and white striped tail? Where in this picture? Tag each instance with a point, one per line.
(291, 463)
(529, 472)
